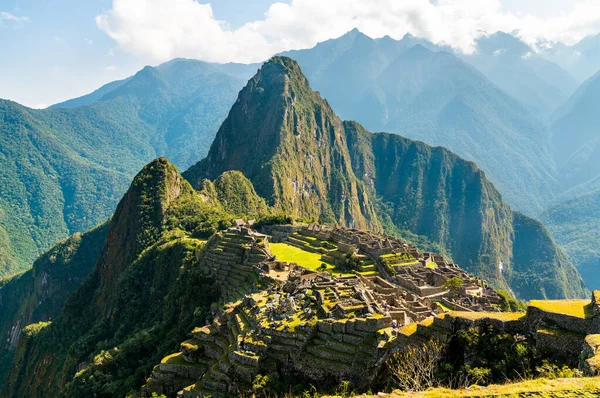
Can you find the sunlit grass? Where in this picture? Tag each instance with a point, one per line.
(292, 254)
(572, 387)
(578, 308)
(503, 316)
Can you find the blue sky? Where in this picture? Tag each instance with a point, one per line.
(56, 50)
(60, 53)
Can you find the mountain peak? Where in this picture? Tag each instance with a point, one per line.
(139, 217)
(283, 137)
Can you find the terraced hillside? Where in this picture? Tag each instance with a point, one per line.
(333, 307)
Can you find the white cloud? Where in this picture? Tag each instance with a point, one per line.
(88, 41)
(110, 68)
(164, 29)
(7, 16)
(39, 106)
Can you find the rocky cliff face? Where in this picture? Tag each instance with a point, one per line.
(432, 192)
(308, 163)
(288, 141)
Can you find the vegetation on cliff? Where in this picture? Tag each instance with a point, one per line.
(307, 163)
(142, 298)
(65, 168)
(39, 294)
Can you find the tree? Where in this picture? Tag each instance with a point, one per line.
(453, 285)
(415, 367)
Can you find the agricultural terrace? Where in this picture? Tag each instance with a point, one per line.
(578, 308)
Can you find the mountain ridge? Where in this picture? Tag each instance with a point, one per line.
(393, 193)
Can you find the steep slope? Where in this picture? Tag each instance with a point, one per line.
(516, 68)
(407, 88)
(575, 224)
(539, 264)
(575, 135)
(64, 169)
(53, 184)
(286, 139)
(144, 294)
(309, 164)
(38, 294)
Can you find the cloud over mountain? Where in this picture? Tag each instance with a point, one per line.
(165, 29)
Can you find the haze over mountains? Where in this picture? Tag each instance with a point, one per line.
(470, 104)
(144, 293)
(436, 98)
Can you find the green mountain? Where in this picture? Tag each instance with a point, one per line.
(575, 224)
(65, 168)
(144, 294)
(309, 164)
(433, 96)
(38, 294)
(147, 291)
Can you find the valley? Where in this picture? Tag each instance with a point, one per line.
(400, 215)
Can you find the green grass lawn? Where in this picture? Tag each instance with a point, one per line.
(503, 316)
(578, 308)
(306, 259)
(580, 387)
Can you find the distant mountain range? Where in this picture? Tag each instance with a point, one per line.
(281, 150)
(439, 99)
(421, 91)
(65, 168)
(582, 59)
(575, 218)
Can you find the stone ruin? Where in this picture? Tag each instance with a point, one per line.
(318, 326)
(417, 279)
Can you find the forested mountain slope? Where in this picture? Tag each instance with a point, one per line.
(307, 163)
(65, 168)
(412, 88)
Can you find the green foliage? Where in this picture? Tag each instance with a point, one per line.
(237, 195)
(146, 293)
(39, 293)
(276, 219)
(509, 303)
(540, 267)
(64, 169)
(551, 370)
(575, 224)
(351, 262)
(453, 284)
(485, 355)
(262, 386)
(33, 329)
